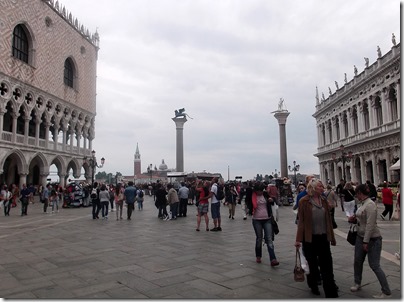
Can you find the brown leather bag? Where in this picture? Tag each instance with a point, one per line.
(298, 271)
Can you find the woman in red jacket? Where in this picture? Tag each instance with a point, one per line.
(387, 198)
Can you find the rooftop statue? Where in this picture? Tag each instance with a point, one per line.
(393, 39)
(355, 70)
(366, 61)
(379, 52)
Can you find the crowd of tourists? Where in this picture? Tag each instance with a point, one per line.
(315, 204)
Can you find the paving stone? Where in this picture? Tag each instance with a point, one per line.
(72, 256)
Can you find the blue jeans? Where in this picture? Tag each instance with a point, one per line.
(105, 205)
(265, 226)
(174, 209)
(374, 252)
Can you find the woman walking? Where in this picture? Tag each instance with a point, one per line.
(203, 204)
(6, 197)
(119, 201)
(261, 221)
(332, 199)
(368, 242)
(104, 200)
(54, 200)
(315, 232)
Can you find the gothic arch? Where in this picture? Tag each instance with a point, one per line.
(75, 166)
(59, 163)
(38, 166)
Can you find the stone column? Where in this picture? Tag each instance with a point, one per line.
(398, 96)
(282, 116)
(26, 128)
(372, 113)
(2, 112)
(179, 125)
(363, 169)
(385, 102)
(14, 130)
(37, 127)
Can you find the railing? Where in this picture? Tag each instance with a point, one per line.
(20, 140)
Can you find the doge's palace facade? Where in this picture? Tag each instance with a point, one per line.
(48, 66)
(364, 117)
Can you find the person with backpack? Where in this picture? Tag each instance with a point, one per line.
(140, 199)
(95, 200)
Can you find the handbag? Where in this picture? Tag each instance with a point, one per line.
(298, 272)
(352, 233)
(275, 227)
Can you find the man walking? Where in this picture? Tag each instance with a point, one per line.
(130, 196)
(183, 194)
(215, 205)
(24, 199)
(45, 198)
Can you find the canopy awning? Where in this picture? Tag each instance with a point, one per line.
(396, 166)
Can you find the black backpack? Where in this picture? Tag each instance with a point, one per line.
(220, 192)
(141, 193)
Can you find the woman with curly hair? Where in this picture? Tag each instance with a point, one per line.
(315, 232)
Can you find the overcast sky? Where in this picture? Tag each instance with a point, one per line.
(227, 63)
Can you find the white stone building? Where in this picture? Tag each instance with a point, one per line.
(358, 126)
(48, 66)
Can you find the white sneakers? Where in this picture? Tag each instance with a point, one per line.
(382, 296)
(355, 288)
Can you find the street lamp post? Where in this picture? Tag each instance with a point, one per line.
(345, 158)
(92, 161)
(294, 169)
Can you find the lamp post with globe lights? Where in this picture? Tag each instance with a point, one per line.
(92, 162)
(344, 158)
(294, 169)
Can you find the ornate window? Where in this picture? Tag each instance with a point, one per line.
(337, 129)
(355, 121)
(345, 122)
(20, 44)
(379, 112)
(366, 116)
(393, 104)
(69, 73)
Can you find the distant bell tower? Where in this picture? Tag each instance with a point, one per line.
(137, 162)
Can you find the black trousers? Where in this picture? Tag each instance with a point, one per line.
(318, 254)
(183, 207)
(96, 208)
(388, 208)
(130, 208)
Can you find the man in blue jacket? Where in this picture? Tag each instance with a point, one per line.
(130, 196)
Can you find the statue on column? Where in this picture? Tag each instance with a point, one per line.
(393, 39)
(345, 78)
(181, 113)
(355, 70)
(280, 104)
(336, 85)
